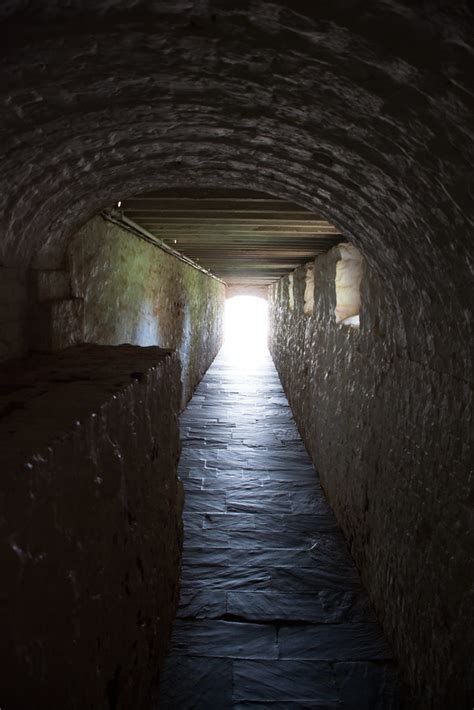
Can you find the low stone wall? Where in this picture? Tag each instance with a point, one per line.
(90, 526)
(388, 428)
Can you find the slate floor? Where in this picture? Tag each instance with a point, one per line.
(272, 612)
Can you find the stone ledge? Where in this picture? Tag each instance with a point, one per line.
(48, 395)
(90, 517)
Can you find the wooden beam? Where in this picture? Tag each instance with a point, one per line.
(210, 219)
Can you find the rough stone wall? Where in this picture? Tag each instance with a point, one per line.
(136, 293)
(55, 317)
(389, 433)
(13, 312)
(116, 288)
(111, 288)
(90, 526)
(361, 111)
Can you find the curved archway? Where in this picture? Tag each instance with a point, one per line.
(90, 132)
(360, 113)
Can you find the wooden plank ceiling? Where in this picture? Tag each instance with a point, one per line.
(240, 236)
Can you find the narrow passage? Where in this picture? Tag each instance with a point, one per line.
(272, 611)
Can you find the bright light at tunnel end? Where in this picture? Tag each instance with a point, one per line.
(246, 328)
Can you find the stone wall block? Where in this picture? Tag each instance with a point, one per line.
(51, 285)
(57, 324)
(91, 526)
(13, 310)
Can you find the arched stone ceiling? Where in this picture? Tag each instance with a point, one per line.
(360, 112)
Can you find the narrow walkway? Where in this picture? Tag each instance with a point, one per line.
(272, 611)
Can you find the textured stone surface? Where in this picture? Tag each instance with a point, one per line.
(114, 288)
(90, 526)
(13, 312)
(389, 435)
(56, 324)
(134, 96)
(361, 111)
(281, 619)
(51, 285)
(55, 319)
(136, 293)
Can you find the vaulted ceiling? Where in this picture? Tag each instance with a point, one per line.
(240, 236)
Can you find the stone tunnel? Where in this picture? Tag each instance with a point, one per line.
(159, 159)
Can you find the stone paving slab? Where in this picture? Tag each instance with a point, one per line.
(367, 686)
(287, 680)
(264, 577)
(321, 557)
(272, 611)
(333, 642)
(291, 523)
(204, 683)
(318, 608)
(224, 639)
(204, 604)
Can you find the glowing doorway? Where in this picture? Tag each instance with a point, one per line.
(246, 327)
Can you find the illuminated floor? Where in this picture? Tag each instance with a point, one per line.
(272, 611)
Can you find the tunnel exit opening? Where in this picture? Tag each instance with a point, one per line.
(246, 327)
